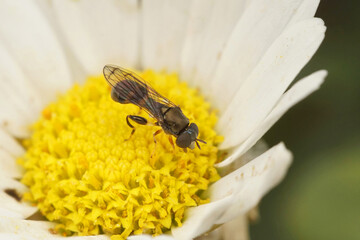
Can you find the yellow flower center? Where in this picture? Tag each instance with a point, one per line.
(86, 176)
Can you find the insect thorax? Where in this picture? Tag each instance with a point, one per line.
(175, 121)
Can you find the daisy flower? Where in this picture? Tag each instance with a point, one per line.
(67, 165)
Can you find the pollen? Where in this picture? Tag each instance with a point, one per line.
(85, 174)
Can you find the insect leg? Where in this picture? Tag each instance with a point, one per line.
(171, 142)
(138, 120)
(155, 133)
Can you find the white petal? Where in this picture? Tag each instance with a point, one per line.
(8, 163)
(47, 236)
(12, 208)
(9, 206)
(11, 118)
(163, 31)
(262, 22)
(200, 219)
(10, 145)
(13, 79)
(250, 183)
(295, 94)
(238, 227)
(149, 237)
(20, 102)
(210, 24)
(306, 10)
(9, 183)
(272, 75)
(33, 228)
(33, 44)
(77, 71)
(100, 32)
(15, 236)
(39, 230)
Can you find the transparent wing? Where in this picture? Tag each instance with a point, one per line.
(132, 88)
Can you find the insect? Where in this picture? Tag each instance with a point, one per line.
(127, 87)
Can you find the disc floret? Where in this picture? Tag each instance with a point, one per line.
(87, 177)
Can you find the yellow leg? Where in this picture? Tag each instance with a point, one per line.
(172, 143)
(156, 133)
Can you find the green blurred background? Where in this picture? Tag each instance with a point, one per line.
(320, 197)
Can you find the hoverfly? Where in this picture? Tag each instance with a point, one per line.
(127, 87)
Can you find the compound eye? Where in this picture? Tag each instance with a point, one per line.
(194, 128)
(183, 140)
